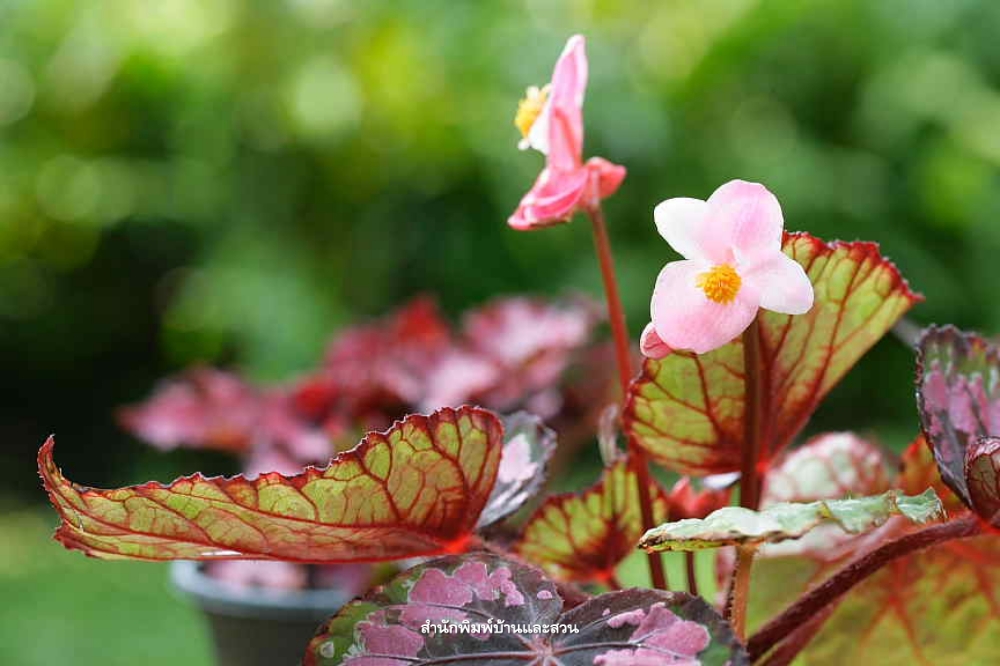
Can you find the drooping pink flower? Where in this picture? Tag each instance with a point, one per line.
(733, 266)
(551, 121)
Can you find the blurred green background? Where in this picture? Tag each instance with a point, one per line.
(231, 180)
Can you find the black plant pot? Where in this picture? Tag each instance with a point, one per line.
(257, 627)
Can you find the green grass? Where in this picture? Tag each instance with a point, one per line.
(58, 607)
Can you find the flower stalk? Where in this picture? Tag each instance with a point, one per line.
(692, 573)
(753, 424)
(619, 331)
(739, 592)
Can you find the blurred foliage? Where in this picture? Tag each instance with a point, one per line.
(229, 180)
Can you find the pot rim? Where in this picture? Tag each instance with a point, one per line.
(224, 599)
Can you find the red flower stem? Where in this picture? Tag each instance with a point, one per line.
(619, 331)
(817, 599)
(752, 431)
(739, 592)
(691, 573)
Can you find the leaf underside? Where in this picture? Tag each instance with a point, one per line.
(958, 395)
(583, 536)
(527, 450)
(416, 490)
(738, 526)
(503, 613)
(688, 410)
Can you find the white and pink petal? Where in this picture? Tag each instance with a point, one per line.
(685, 318)
(782, 283)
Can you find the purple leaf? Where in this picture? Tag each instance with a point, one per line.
(958, 395)
(482, 610)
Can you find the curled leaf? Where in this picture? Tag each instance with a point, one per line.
(528, 447)
(688, 410)
(584, 536)
(738, 526)
(418, 489)
(482, 610)
(958, 395)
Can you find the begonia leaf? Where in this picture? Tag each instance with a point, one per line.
(734, 525)
(583, 536)
(482, 610)
(418, 489)
(688, 410)
(958, 395)
(528, 447)
(934, 606)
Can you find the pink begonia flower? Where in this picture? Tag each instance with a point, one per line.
(733, 265)
(551, 122)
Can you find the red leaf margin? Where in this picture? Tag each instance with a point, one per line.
(171, 535)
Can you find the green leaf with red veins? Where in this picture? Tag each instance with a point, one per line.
(688, 410)
(958, 395)
(497, 612)
(584, 536)
(416, 490)
(527, 449)
(937, 606)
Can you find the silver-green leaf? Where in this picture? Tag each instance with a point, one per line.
(738, 526)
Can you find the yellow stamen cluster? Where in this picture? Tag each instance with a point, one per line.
(529, 108)
(721, 284)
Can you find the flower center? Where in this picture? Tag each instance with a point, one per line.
(721, 284)
(529, 108)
